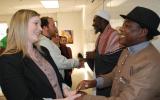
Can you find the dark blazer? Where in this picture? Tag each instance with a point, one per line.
(21, 79)
(67, 52)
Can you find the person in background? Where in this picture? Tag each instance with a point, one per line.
(3, 43)
(27, 71)
(56, 39)
(48, 29)
(67, 52)
(81, 58)
(136, 76)
(107, 49)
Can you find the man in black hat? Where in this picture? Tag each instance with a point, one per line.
(136, 76)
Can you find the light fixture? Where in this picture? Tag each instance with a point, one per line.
(115, 3)
(50, 3)
(92, 1)
(80, 6)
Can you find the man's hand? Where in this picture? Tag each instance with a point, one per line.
(81, 92)
(74, 95)
(85, 84)
(81, 63)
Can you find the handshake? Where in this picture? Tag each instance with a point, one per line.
(86, 84)
(78, 94)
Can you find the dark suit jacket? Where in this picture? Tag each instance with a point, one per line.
(67, 52)
(21, 79)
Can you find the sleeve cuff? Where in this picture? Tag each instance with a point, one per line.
(64, 86)
(100, 81)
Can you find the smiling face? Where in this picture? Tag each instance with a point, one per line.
(34, 29)
(131, 33)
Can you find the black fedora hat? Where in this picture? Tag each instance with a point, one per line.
(146, 18)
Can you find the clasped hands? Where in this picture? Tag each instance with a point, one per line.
(85, 84)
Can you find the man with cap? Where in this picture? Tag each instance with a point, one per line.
(107, 49)
(136, 76)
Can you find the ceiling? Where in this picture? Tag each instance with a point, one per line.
(10, 6)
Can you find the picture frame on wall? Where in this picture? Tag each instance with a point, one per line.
(69, 35)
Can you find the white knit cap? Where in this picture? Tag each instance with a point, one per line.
(103, 14)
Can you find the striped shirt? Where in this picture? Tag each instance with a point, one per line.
(108, 41)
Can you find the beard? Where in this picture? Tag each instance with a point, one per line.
(97, 30)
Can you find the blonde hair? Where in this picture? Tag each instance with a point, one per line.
(17, 36)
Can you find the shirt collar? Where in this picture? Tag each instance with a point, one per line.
(136, 48)
(49, 37)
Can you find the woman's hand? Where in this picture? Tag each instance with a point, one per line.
(67, 90)
(73, 97)
(68, 93)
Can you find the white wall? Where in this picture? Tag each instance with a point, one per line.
(89, 37)
(72, 21)
(5, 18)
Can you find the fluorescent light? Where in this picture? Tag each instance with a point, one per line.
(115, 3)
(80, 6)
(28, 6)
(50, 3)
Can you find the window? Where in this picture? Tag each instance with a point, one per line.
(3, 28)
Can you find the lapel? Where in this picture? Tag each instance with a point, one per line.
(125, 56)
(35, 70)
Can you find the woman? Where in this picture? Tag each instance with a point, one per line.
(27, 71)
